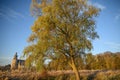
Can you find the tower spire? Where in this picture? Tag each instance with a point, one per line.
(15, 56)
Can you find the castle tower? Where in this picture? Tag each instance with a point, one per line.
(14, 63)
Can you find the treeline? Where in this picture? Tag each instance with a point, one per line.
(5, 68)
(102, 61)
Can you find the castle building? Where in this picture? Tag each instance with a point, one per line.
(17, 63)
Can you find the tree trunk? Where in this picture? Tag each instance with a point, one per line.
(72, 64)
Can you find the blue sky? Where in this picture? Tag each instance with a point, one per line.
(16, 20)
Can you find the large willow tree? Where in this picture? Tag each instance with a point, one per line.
(63, 30)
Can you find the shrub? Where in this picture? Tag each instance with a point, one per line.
(114, 77)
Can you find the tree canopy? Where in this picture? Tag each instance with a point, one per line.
(63, 30)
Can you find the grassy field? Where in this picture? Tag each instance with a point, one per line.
(60, 75)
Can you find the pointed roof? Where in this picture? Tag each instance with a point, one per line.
(15, 56)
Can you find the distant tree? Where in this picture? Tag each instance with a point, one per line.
(101, 64)
(112, 60)
(80, 62)
(117, 60)
(64, 29)
(89, 61)
(108, 59)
